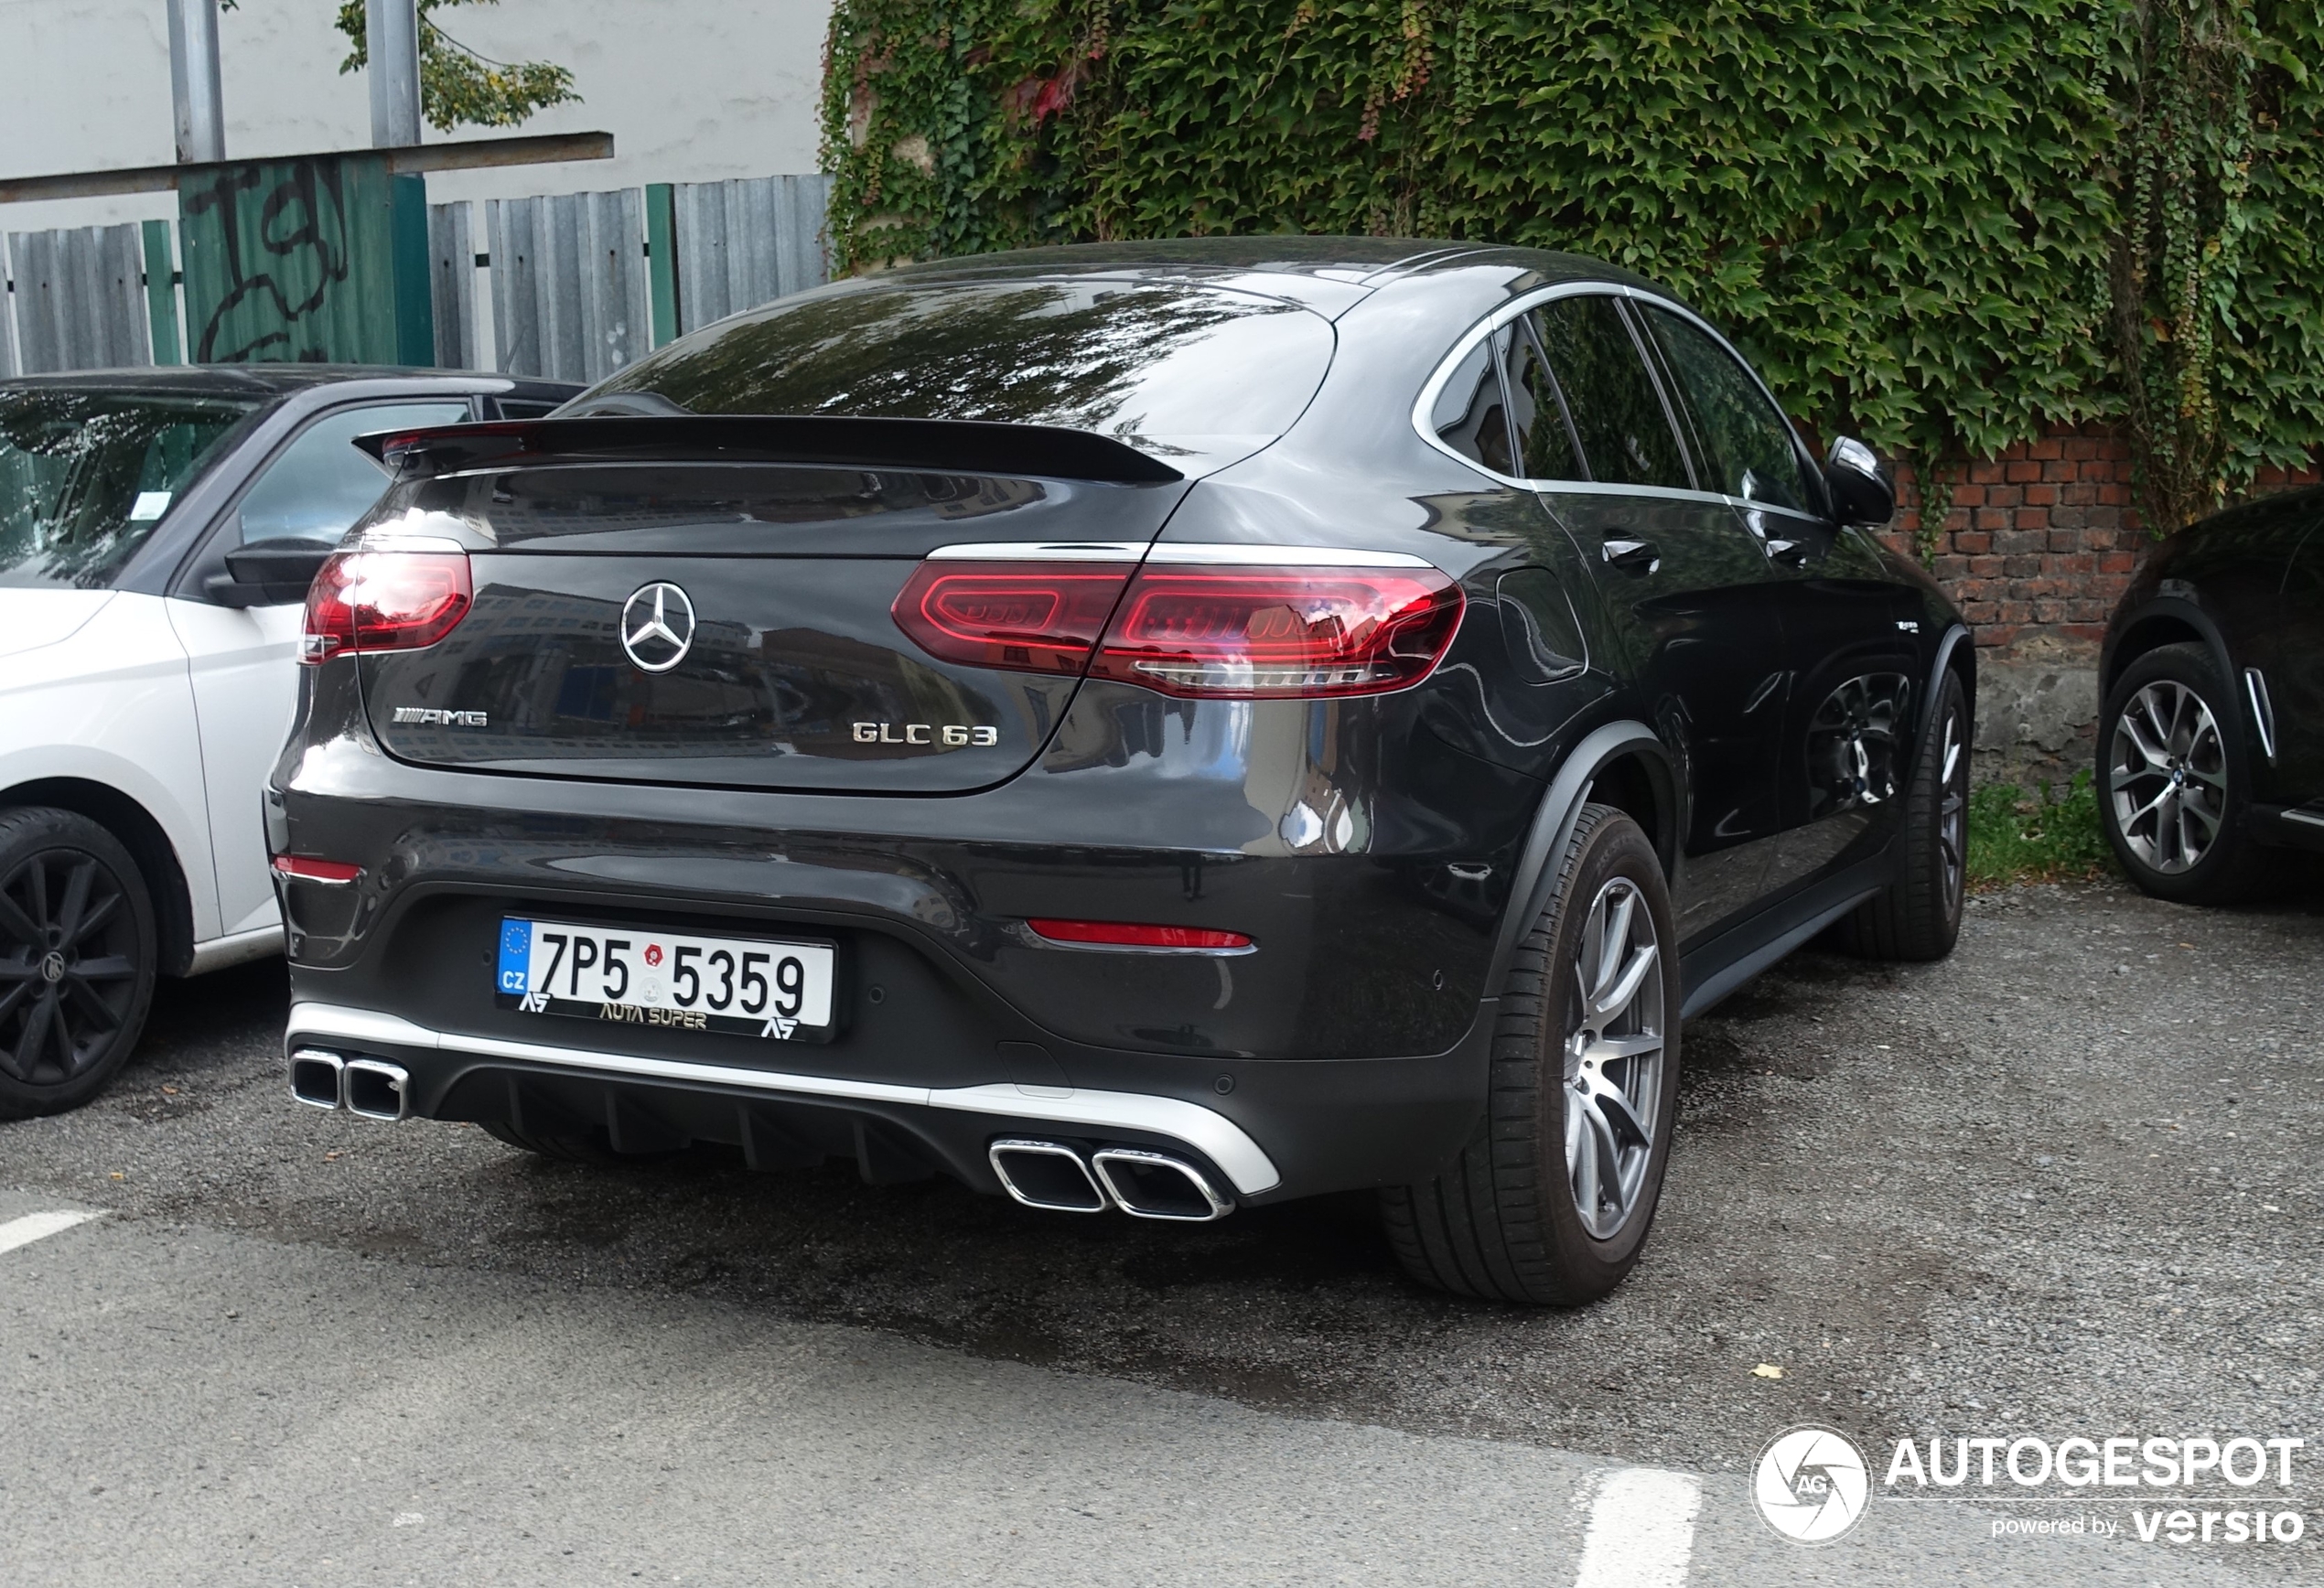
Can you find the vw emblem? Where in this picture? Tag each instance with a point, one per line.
(657, 626)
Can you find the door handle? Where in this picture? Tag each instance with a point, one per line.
(1632, 556)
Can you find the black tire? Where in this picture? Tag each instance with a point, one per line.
(2199, 758)
(77, 952)
(1504, 1220)
(1918, 917)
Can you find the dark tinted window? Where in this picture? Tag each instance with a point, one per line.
(1537, 410)
(85, 476)
(1618, 413)
(1208, 373)
(1470, 416)
(1743, 444)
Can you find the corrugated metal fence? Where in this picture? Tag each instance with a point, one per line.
(574, 291)
(80, 299)
(746, 242)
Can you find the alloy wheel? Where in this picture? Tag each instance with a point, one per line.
(1614, 1058)
(2167, 777)
(68, 965)
(1952, 809)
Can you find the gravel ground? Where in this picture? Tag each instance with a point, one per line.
(2063, 1182)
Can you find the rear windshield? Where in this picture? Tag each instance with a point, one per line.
(85, 476)
(1193, 373)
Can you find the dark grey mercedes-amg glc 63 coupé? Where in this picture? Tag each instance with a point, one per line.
(1156, 728)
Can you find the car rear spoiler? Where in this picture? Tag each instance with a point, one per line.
(949, 445)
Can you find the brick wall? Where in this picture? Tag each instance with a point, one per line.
(2039, 543)
(2038, 546)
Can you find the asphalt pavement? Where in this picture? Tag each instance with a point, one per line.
(2063, 1184)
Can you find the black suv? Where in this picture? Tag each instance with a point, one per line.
(1157, 727)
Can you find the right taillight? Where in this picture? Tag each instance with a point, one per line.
(1235, 630)
(369, 601)
(1021, 617)
(1255, 632)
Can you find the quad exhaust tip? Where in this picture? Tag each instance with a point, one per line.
(1156, 1186)
(377, 1090)
(1047, 1174)
(316, 1077)
(1142, 1183)
(370, 1086)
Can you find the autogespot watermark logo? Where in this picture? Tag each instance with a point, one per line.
(1810, 1483)
(2183, 1489)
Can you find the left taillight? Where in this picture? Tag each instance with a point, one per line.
(373, 601)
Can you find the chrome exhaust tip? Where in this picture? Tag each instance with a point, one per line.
(1047, 1174)
(316, 1078)
(1156, 1186)
(377, 1090)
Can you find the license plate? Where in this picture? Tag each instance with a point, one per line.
(637, 976)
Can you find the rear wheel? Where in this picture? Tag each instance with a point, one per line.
(1918, 917)
(1550, 1203)
(76, 959)
(2173, 779)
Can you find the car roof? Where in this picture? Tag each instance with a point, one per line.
(270, 379)
(1299, 267)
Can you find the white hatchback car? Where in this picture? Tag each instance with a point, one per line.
(158, 529)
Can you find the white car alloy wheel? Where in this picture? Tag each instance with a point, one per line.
(1613, 1060)
(2167, 777)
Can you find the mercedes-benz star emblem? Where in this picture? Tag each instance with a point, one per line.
(657, 626)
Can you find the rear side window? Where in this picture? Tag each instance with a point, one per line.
(321, 484)
(1545, 440)
(1471, 417)
(1618, 417)
(1743, 442)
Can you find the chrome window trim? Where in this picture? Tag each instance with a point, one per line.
(1220, 1139)
(1508, 313)
(1245, 553)
(1041, 551)
(1199, 554)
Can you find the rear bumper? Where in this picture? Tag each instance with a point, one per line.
(1281, 1128)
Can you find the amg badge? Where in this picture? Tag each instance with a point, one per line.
(434, 718)
(950, 736)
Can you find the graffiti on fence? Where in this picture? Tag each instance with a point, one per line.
(298, 261)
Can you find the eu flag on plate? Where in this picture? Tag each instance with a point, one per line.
(516, 955)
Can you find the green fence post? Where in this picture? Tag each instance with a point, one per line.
(661, 259)
(161, 294)
(415, 272)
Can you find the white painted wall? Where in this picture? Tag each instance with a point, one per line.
(692, 91)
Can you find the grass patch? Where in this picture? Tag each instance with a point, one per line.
(2016, 836)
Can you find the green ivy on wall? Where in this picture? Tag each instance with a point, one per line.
(1945, 225)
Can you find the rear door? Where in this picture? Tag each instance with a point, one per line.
(1689, 586)
(733, 624)
(1851, 633)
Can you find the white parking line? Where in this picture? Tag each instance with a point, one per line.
(1641, 1530)
(33, 1227)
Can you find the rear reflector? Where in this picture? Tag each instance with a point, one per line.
(367, 601)
(1020, 616)
(1122, 935)
(308, 868)
(1241, 632)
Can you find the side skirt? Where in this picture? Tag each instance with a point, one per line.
(1713, 968)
